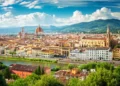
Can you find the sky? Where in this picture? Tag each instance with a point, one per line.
(15, 13)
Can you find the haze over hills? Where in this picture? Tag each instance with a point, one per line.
(97, 26)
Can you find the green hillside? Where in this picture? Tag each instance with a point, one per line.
(97, 26)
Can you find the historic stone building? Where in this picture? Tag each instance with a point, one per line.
(22, 34)
(108, 37)
(99, 41)
(38, 31)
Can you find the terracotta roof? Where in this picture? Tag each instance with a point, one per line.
(38, 30)
(98, 48)
(94, 38)
(26, 68)
(35, 48)
(19, 67)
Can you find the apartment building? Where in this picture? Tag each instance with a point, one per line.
(94, 53)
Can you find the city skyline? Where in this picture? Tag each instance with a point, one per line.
(56, 12)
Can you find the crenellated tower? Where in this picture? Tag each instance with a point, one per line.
(108, 37)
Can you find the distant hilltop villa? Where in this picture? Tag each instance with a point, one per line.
(38, 32)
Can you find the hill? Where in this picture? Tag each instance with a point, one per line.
(97, 26)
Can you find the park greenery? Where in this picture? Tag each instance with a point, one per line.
(39, 71)
(56, 68)
(36, 80)
(117, 46)
(105, 75)
(28, 59)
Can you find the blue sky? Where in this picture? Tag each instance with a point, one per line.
(56, 12)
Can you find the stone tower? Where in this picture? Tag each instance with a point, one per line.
(108, 40)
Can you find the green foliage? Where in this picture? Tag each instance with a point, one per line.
(2, 81)
(39, 70)
(94, 65)
(71, 66)
(55, 68)
(31, 80)
(105, 75)
(117, 46)
(19, 82)
(88, 66)
(7, 73)
(102, 77)
(2, 66)
(105, 65)
(35, 80)
(117, 75)
(14, 76)
(13, 53)
(28, 81)
(74, 82)
(48, 81)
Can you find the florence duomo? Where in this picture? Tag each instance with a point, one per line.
(38, 32)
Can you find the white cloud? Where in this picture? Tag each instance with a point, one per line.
(24, 3)
(9, 2)
(77, 17)
(116, 15)
(45, 19)
(25, 20)
(37, 7)
(65, 3)
(7, 8)
(31, 4)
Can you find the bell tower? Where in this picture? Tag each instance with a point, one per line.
(108, 37)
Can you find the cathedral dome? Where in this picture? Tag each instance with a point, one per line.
(38, 30)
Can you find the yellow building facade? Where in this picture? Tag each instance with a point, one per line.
(116, 53)
(97, 41)
(92, 42)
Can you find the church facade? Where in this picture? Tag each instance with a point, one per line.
(99, 41)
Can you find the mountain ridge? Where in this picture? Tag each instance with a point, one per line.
(96, 26)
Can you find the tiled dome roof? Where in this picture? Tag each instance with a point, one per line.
(38, 30)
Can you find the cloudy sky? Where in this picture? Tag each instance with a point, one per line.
(56, 12)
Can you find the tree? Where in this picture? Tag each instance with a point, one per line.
(98, 65)
(75, 82)
(13, 53)
(102, 77)
(48, 81)
(14, 76)
(31, 80)
(105, 65)
(117, 75)
(88, 66)
(7, 73)
(42, 70)
(19, 82)
(2, 81)
(55, 68)
(2, 66)
(28, 81)
(117, 46)
(71, 66)
(38, 71)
